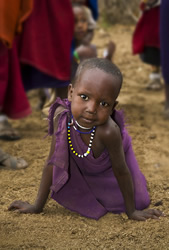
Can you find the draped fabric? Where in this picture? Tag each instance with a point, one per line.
(12, 15)
(13, 100)
(146, 33)
(45, 44)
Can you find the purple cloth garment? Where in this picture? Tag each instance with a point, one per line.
(88, 185)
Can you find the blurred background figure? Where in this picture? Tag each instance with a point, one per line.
(13, 100)
(146, 40)
(81, 46)
(164, 40)
(44, 48)
(84, 28)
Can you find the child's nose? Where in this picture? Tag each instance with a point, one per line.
(92, 108)
(80, 24)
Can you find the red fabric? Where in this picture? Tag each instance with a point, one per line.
(147, 31)
(46, 38)
(13, 100)
(12, 15)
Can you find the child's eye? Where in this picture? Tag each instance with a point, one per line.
(104, 104)
(84, 97)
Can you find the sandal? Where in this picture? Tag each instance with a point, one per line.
(8, 133)
(9, 162)
(155, 85)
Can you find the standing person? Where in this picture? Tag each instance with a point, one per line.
(91, 168)
(13, 100)
(164, 36)
(45, 45)
(146, 40)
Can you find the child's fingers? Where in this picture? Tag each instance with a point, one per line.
(155, 212)
(15, 205)
(152, 214)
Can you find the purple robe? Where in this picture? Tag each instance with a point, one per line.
(88, 185)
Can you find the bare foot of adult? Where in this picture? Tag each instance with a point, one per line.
(9, 162)
(155, 85)
(7, 132)
(166, 113)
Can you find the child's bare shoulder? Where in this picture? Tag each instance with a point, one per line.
(110, 131)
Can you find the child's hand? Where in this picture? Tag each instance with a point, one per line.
(145, 214)
(23, 207)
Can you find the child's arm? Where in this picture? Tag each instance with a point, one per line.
(122, 173)
(43, 193)
(46, 180)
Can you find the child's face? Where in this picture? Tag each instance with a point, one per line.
(93, 97)
(81, 24)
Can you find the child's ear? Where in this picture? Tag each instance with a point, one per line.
(70, 92)
(115, 104)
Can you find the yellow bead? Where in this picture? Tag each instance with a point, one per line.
(70, 145)
(74, 151)
(71, 148)
(88, 152)
(69, 138)
(70, 142)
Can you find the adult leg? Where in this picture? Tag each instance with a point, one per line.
(164, 36)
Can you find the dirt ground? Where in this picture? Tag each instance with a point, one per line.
(58, 228)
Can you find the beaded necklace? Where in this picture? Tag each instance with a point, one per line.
(92, 132)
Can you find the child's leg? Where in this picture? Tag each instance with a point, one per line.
(109, 52)
(42, 99)
(55, 92)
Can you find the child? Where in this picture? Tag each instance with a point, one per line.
(91, 168)
(90, 16)
(146, 41)
(82, 34)
(83, 49)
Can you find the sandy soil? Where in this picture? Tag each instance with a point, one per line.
(58, 228)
